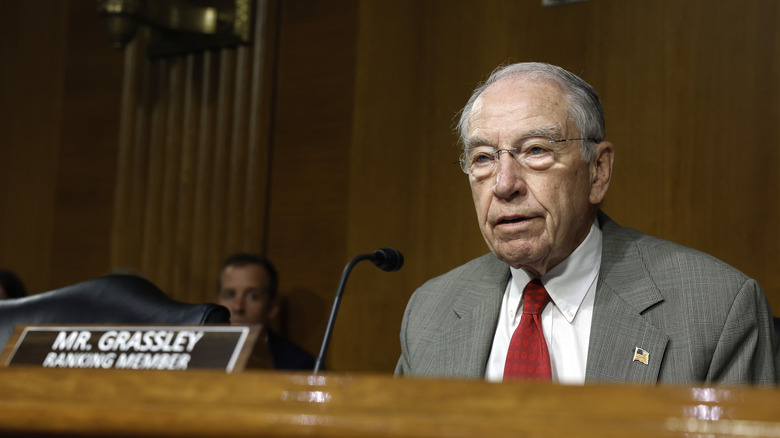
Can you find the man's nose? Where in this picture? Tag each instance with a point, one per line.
(237, 305)
(509, 176)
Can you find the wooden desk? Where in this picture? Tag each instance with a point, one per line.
(270, 404)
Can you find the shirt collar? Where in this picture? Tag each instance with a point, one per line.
(569, 281)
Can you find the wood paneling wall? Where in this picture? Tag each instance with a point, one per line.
(333, 137)
(312, 142)
(193, 166)
(60, 86)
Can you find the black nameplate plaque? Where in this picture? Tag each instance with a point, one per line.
(132, 347)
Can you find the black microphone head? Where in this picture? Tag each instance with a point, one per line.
(388, 259)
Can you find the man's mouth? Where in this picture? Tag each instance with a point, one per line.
(511, 220)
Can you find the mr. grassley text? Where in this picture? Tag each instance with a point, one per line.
(122, 349)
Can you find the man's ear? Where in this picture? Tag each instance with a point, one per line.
(601, 172)
(273, 308)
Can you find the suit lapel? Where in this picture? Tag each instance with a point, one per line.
(463, 349)
(625, 290)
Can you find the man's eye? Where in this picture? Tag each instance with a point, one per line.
(482, 158)
(535, 150)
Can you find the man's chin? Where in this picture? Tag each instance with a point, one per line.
(520, 256)
(245, 323)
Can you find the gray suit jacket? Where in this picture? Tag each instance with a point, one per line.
(701, 320)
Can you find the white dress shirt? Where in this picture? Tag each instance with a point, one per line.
(567, 318)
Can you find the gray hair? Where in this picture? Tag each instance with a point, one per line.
(585, 109)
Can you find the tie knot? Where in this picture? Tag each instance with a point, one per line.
(535, 297)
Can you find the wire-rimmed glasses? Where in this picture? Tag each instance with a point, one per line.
(535, 153)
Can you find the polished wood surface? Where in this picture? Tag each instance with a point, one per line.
(212, 404)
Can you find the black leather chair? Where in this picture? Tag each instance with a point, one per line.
(777, 325)
(115, 299)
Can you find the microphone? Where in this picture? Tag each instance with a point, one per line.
(386, 259)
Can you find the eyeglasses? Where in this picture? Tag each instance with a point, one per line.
(534, 153)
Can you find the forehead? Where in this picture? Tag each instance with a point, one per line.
(515, 106)
(251, 274)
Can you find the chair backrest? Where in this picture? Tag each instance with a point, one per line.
(115, 299)
(777, 326)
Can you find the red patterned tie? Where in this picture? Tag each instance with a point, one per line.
(528, 357)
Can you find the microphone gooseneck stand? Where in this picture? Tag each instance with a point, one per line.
(386, 259)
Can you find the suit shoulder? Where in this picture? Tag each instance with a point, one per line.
(472, 269)
(441, 292)
(664, 255)
(670, 258)
(287, 355)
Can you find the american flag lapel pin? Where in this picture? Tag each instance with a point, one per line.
(641, 355)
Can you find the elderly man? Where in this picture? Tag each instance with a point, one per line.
(566, 294)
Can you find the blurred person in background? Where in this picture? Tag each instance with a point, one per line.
(11, 285)
(248, 287)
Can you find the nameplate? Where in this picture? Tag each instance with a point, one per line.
(132, 347)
